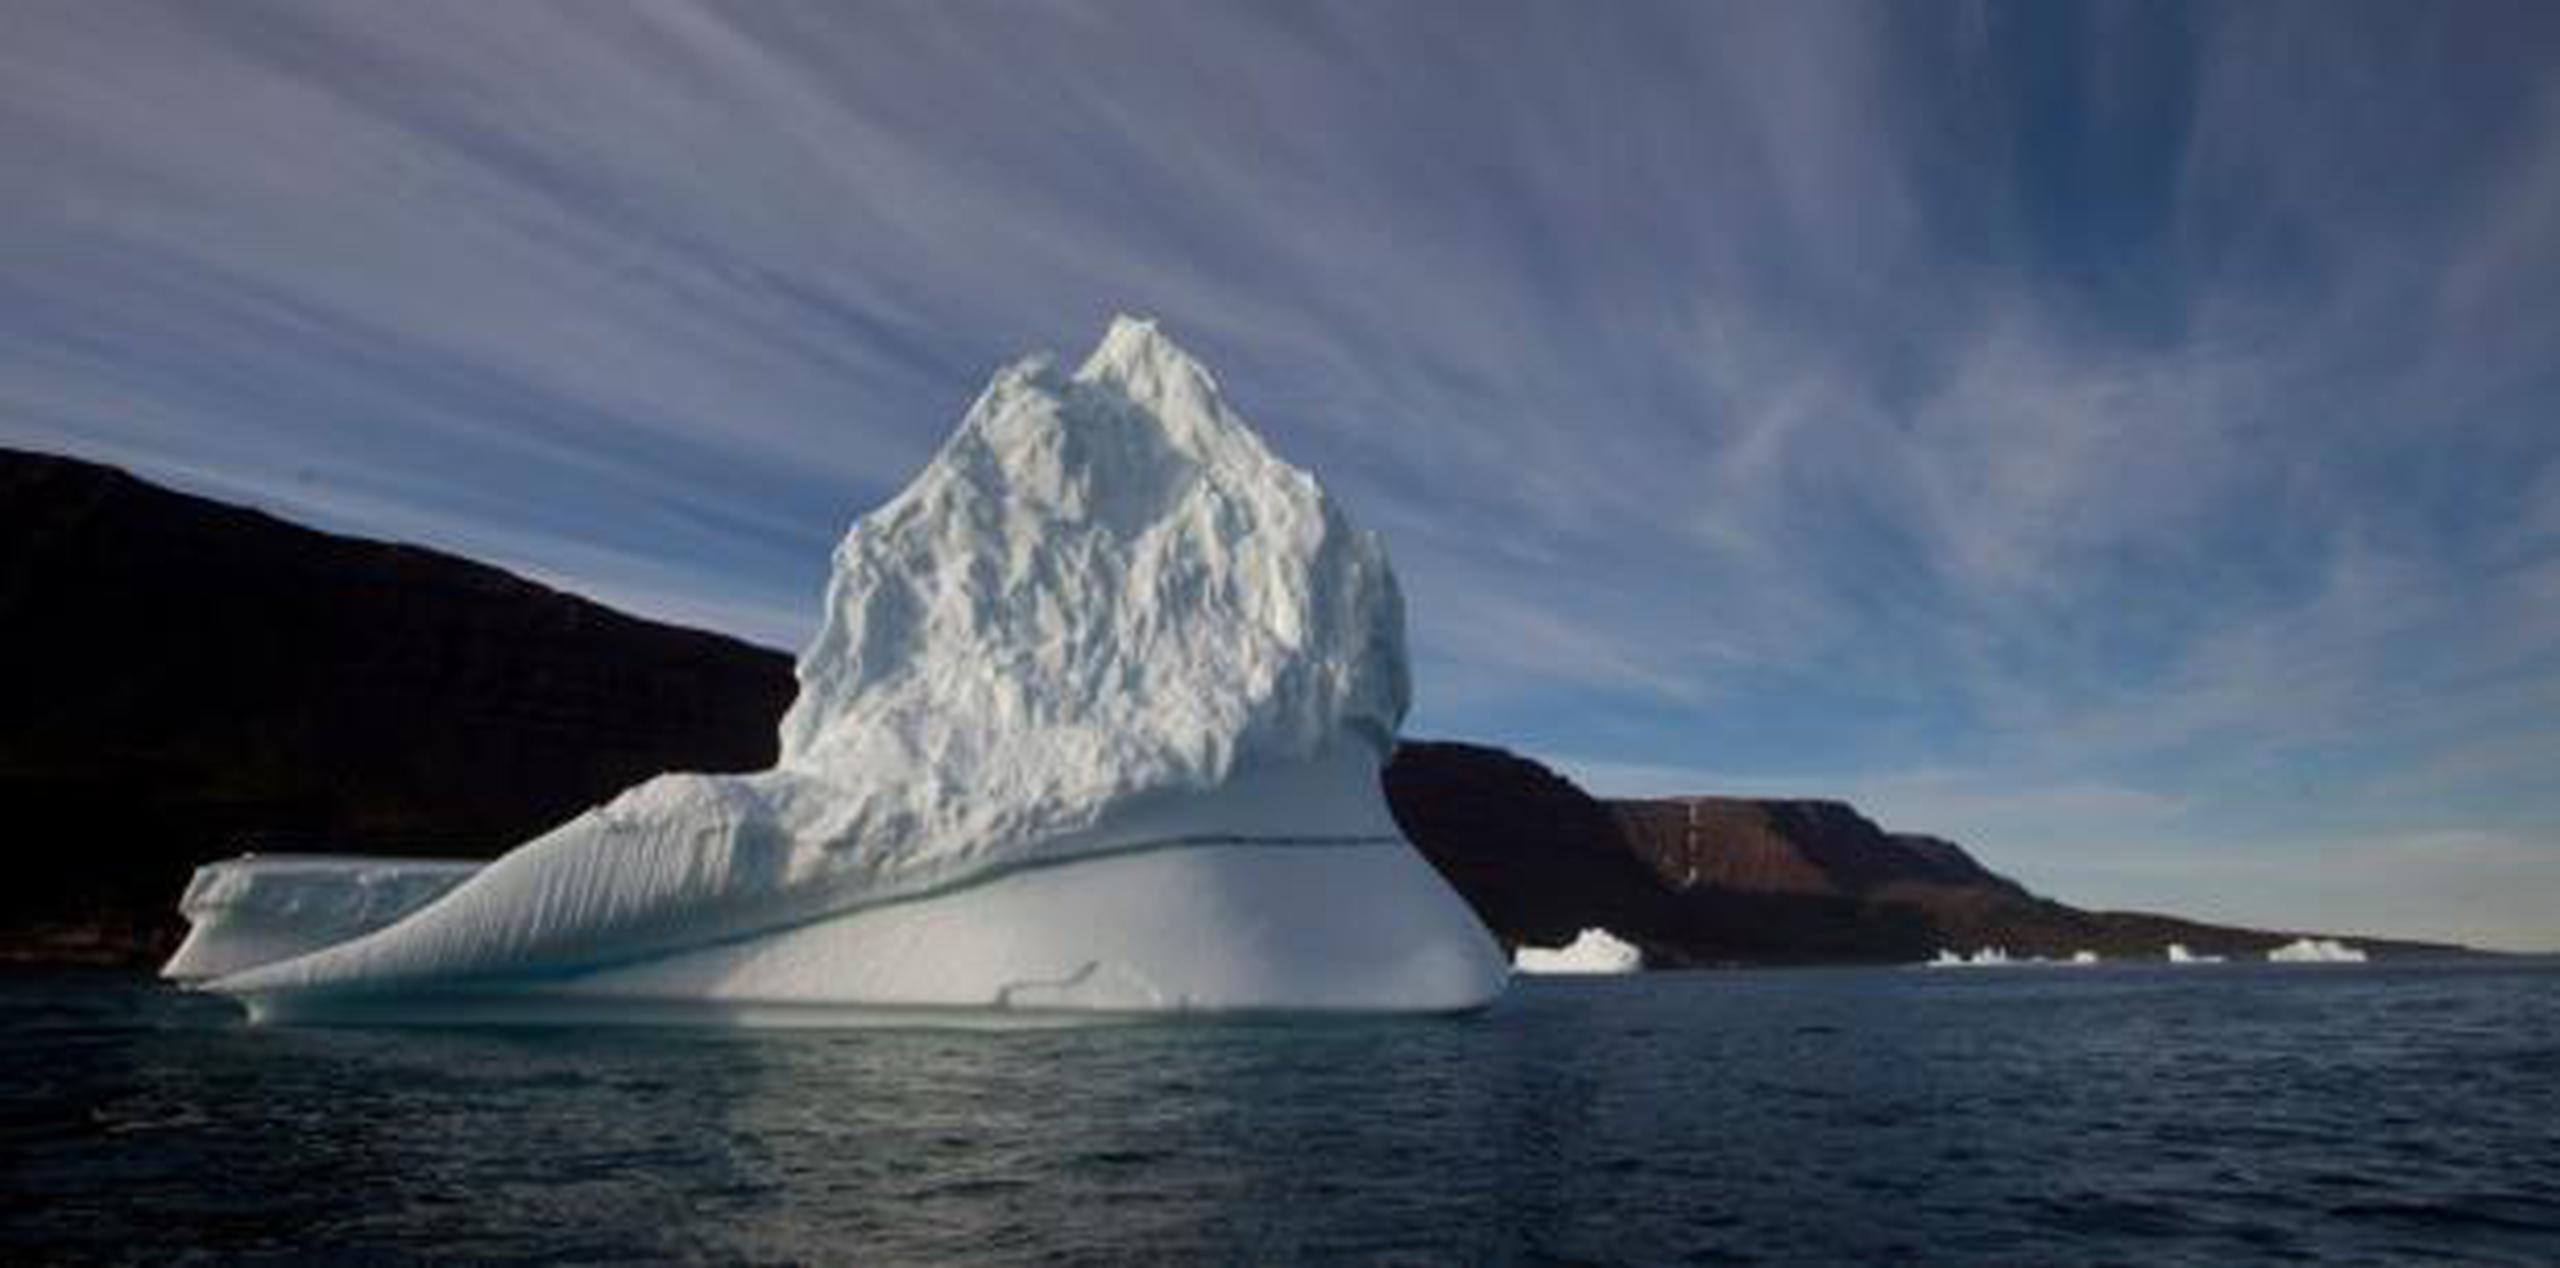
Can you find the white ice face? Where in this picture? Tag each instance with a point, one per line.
(2316, 951)
(1103, 587)
(1104, 621)
(249, 911)
(1591, 951)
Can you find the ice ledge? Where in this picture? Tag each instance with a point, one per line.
(258, 909)
(1352, 927)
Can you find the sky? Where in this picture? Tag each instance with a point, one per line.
(2123, 438)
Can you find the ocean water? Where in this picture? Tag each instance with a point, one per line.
(2139, 1115)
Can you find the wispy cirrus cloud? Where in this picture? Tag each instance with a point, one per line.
(2135, 417)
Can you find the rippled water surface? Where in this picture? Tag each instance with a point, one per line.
(2137, 1115)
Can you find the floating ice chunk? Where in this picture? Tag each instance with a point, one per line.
(2316, 951)
(1999, 958)
(2178, 954)
(1591, 951)
(255, 909)
(1982, 958)
(1104, 627)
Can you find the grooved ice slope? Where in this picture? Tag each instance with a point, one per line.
(1103, 624)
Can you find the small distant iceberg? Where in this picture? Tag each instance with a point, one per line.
(1592, 951)
(1982, 958)
(1977, 959)
(1999, 958)
(2316, 951)
(2179, 954)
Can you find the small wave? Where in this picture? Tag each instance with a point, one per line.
(2510, 1213)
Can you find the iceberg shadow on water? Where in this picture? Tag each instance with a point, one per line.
(1092, 727)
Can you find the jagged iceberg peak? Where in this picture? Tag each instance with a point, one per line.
(1094, 716)
(1102, 585)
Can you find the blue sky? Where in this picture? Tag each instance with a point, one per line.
(2125, 438)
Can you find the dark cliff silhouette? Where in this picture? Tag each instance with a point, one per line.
(182, 680)
(1696, 881)
(185, 679)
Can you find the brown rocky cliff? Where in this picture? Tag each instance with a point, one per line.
(1540, 859)
(1725, 880)
(1793, 847)
(1537, 858)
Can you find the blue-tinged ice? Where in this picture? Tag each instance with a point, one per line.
(1093, 723)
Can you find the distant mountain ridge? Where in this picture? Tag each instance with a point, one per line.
(185, 679)
(1697, 881)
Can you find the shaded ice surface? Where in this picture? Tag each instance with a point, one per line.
(254, 910)
(1093, 722)
(2316, 951)
(1591, 951)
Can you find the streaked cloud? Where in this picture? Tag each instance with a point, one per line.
(2117, 433)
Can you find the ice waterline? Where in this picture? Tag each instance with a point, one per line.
(1092, 723)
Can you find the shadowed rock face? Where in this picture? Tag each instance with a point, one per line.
(1793, 847)
(185, 679)
(1540, 859)
(1721, 880)
(1537, 858)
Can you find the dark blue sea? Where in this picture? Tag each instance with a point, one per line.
(2135, 1115)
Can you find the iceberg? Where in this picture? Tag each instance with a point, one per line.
(1999, 958)
(1092, 723)
(1591, 951)
(2316, 951)
(2179, 954)
(1982, 958)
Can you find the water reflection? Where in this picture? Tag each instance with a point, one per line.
(1786, 1116)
